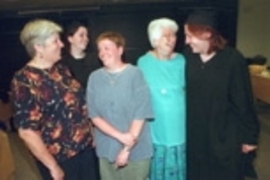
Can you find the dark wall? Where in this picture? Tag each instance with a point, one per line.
(129, 19)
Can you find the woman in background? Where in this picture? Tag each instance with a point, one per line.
(80, 61)
(119, 106)
(50, 108)
(163, 70)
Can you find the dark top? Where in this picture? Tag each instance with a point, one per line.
(51, 102)
(220, 114)
(81, 68)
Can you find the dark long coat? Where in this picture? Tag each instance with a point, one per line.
(220, 115)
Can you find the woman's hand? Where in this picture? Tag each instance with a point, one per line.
(57, 173)
(246, 148)
(127, 139)
(122, 157)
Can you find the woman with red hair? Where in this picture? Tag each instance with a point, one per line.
(221, 121)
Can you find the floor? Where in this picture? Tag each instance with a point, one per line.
(26, 170)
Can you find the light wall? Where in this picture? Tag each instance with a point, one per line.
(253, 31)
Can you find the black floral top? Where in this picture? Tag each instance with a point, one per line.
(51, 102)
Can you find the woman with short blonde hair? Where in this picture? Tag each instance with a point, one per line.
(36, 32)
(49, 105)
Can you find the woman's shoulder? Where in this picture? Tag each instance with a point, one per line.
(26, 69)
(145, 57)
(179, 56)
(66, 58)
(233, 55)
(97, 72)
(132, 68)
(232, 51)
(25, 76)
(187, 51)
(91, 55)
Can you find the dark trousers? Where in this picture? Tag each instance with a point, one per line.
(83, 166)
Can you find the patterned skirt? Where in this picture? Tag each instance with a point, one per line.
(168, 163)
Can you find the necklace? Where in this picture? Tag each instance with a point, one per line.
(114, 76)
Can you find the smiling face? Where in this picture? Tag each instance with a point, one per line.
(51, 48)
(79, 40)
(109, 53)
(198, 43)
(166, 43)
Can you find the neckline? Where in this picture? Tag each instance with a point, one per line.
(39, 69)
(113, 77)
(122, 69)
(151, 53)
(208, 58)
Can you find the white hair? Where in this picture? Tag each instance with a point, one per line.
(156, 27)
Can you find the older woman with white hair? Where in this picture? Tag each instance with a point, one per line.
(50, 107)
(163, 70)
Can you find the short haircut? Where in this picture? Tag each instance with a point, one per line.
(115, 37)
(156, 27)
(36, 32)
